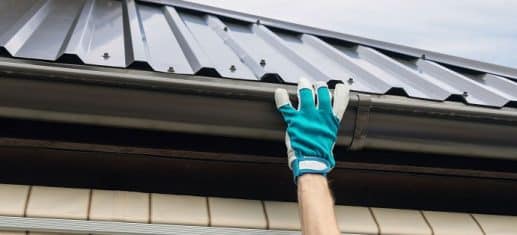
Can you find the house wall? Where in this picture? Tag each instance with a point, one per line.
(152, 208)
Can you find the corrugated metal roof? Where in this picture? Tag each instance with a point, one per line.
(166, 38)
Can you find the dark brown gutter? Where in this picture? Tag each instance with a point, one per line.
(244, 109)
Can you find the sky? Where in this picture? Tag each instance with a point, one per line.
(484, 30)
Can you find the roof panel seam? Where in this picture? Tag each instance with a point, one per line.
(225, 34)
(275, 41)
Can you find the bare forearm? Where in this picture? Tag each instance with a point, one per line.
(316, 205)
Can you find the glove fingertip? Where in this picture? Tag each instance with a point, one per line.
(304, 83)
(320, 84)
(341, 98)
(281, 97)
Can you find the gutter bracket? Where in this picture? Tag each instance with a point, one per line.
(361, 122)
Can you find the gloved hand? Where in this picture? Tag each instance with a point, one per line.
(312, 128)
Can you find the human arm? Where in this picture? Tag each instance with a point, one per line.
(316, 205)
(310, 137)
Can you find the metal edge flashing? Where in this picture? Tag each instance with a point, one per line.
(392, 47)
(244, 109)
(8, 223)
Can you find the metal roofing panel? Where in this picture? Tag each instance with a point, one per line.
(198, 40)
(190, 47)
(161, 44)
(18, 28)
(47, 36)
(406, 50)
(224, 33)
(136, 41)
(497, 83)
(106, 44)
(263, 53)
(474, 92)
(226, 62)
(343, 67)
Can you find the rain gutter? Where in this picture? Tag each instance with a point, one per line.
(244, 109)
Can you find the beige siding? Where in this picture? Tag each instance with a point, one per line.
(13, 199)
(226, 212)
(354, 219)
(401, 222)
(282, 215)
(119, 206)
(52, 202)
(444, 223)
(179, 209)
(72, 203)
(497, 224)
(37, 233)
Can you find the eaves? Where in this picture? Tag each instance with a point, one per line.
(244, 109)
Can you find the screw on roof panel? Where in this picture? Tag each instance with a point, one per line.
(350, 80)
(225, 28)
(423, 56)
(262, 62)
(171, 69)
(106, 55)
(465, 94)
(258, 21)
(232, 68)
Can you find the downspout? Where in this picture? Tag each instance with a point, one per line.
(362, 116)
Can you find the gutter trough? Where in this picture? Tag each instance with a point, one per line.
(244, 109)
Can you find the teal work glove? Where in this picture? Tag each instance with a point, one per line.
(312, 128)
